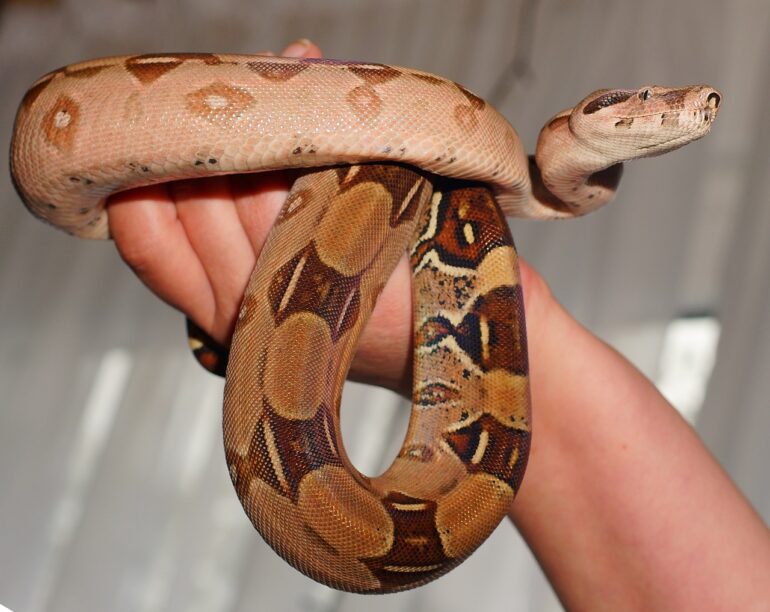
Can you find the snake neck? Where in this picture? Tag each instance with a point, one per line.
(568, 178)
(584, 193)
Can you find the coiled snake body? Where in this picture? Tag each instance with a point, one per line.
(383, 139)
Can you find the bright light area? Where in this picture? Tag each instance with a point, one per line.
(686, 360)
(99, 413)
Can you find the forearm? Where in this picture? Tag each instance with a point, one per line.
(622, 504)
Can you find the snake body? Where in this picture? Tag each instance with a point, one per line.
(403, 159)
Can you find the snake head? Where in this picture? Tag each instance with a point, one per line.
(644, 122)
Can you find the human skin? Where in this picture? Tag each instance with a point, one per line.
(622, 504)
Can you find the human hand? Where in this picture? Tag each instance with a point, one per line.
(194, 243)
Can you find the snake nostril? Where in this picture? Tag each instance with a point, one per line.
(713, 100)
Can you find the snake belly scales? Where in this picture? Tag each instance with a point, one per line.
(401, 160)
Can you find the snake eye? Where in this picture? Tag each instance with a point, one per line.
(645, 94)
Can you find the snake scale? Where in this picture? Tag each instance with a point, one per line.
(402, 160)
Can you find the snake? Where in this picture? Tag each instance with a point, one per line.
(393, 159)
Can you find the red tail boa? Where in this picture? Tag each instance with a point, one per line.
(91, 129)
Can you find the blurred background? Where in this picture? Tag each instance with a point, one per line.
(113, 489)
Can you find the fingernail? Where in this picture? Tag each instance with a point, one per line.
(298, 48)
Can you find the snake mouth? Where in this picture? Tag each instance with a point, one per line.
(697, 128)
(659, 144)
